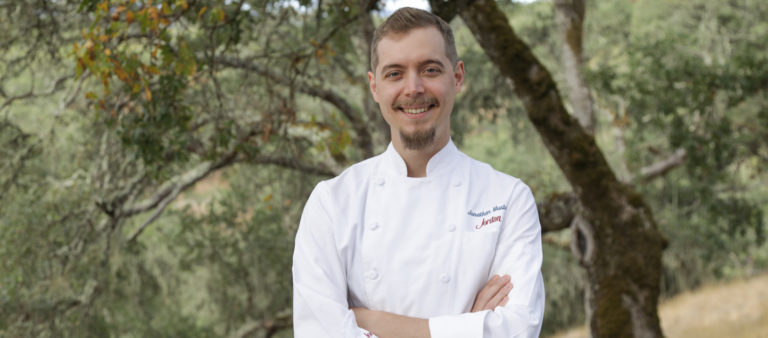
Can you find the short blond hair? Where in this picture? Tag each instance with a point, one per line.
(406, 19)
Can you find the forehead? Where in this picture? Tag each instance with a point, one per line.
(411, 47)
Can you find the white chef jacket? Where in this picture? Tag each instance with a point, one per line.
(419, 247)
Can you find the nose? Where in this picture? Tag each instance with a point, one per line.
(414, 85)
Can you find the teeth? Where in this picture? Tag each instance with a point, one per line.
(416, 111)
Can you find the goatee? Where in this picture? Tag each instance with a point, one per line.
(418, 140)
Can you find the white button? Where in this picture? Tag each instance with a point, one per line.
(373, 274)
(451, 227)
(380, 181)
(445, 278)
(456, 182)
(374, 226)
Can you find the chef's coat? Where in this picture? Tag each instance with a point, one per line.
(422, 247)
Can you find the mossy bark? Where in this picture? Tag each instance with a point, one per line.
(618, 241)
(569, 15)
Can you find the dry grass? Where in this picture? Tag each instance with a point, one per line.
(738, 309)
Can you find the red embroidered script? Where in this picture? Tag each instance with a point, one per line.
(487, 221)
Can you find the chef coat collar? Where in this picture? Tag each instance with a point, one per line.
(438, 164)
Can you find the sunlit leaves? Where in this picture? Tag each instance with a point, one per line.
(109, 50)
(139, 53)
(322, 52)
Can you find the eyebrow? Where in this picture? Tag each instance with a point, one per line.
(421, 64)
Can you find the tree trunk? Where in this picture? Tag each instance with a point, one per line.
(569, 15)
(377, 124)
(617, 241)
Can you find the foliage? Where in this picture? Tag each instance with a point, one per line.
(694, 80)
(107, 104)
(244, 242)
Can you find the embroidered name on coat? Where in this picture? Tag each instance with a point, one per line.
(487, 221)
(479, 213)
(486, 212)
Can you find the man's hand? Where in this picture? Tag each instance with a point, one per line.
(493, 294)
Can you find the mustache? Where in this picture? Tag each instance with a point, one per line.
(422, 101)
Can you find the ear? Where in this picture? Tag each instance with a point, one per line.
(458, 75)
(372, 84)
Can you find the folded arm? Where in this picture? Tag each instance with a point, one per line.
(385, 324)
(518, 254)
(513, 312)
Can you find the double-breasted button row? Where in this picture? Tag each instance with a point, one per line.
(373, 226)
(380, 182)
(374, 275)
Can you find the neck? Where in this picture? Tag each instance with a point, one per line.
(416, 160)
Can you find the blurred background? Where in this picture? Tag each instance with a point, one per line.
(155, 156)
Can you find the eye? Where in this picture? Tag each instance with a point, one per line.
(394, 73)
(432, 71)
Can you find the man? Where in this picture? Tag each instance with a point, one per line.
(420, 241)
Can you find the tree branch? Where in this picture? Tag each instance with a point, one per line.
(572, 148)
(16, 164)
(447, 10)
(352, 115)
(281, 321)
(558, 211)
(167, 200)
(170, 191)
(292, 163)
(660, 168)
(31, 93)
(172, 188)
(72, 95)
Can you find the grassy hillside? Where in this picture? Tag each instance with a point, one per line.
(738, 309)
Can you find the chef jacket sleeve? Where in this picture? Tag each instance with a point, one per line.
(320, 307)
(518, 254)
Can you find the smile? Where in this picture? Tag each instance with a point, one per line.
(416, 111)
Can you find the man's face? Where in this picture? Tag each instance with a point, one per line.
(415, 84)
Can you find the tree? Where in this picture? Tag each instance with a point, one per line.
(616, 238)
(165, 86)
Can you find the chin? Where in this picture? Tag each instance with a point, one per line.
(419, 139)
